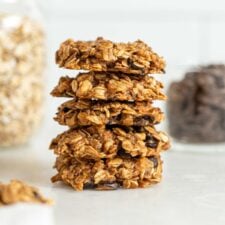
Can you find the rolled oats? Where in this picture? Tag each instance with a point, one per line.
(108, 174)
(104, 55)
(110, 86)
(21, 78)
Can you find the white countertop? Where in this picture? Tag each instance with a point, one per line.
(192, 191)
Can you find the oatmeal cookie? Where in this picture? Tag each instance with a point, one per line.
(108, 174)
(104, 55)
(95, 143)
(110, 86)
(84, 113)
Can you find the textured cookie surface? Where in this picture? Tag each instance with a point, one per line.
(110, 86)
(108, 174)
(104, 55)
(95, 143)
(83, 113)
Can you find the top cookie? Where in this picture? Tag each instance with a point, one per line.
(104, 55)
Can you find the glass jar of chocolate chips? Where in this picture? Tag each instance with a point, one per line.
(196, 106)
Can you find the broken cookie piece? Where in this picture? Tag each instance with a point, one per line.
(18, 191)
(104, 55)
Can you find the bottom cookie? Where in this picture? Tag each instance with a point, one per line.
(108, 174)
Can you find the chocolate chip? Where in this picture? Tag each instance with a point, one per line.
(66, 109)
(143, 120)
(126, 129)
(89, 185)
(138, 129)
(150, 141)
(111, 64)
(154, 160)
(123, 154)
(118, 118)
(107, 186)
(133, 65)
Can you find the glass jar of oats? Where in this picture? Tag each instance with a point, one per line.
(22, 62)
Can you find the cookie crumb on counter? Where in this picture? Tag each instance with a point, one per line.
(18, 191)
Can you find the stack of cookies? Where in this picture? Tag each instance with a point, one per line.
(111, 141)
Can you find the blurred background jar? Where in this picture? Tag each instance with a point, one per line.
(196, 108)
(22, 63)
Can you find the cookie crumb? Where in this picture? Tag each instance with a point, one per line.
(18, 191)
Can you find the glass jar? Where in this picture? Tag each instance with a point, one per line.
(196, 108)
(22, 62)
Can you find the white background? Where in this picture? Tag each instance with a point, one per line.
(185, 32)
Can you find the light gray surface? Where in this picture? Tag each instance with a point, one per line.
(191, 192)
